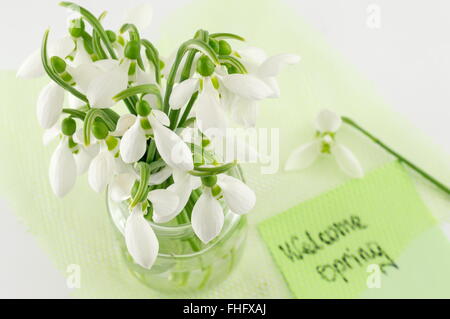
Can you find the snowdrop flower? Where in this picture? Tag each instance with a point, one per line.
(106, 163)
(327, 124)
(209, 112)
(104, 87)
(267, 68)
(49, 105)
(164, 202)
(62, 171)
(244, 107)
(32, 67)
(141, 241)
(101, 169)
(207, 215)
(134, 141)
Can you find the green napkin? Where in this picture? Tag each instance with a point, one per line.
(349, 239)
(76, 229)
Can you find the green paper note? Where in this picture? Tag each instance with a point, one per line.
(348, 240)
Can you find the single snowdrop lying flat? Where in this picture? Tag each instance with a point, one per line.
(327, 125)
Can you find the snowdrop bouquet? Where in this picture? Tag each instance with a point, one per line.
(140, 154)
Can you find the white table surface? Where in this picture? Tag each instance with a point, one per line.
(407, 57)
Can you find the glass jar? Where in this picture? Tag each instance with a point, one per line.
(184, 263)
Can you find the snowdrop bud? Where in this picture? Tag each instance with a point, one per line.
(132, 49)
(63, 170)
(141, 241)
(99, 129)
(205, 66)
(58, 64)
(214, 44)
(49, 105)
(68, 126)
(76, 27)
(224, 48)
(111, 36)
(209, 181)
(143, 108)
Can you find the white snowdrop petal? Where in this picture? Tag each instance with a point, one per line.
(50, 134)
(273, 84)
(303, 156)
(210, 118)
(273, 65)
(81, 55)
(171, 147)
(101, 170)
(253, 56)
(123, 124)
(84, 74)
(161, 176)
(120, 187)
(32, 66)
(182, 92)
(62, 171)
(109, 65)
(133, 143)
(49, 105)
(207, 217)
(141, 16)
(164, 202)
(82, 159)
(245, 112)
(247, 86)
(141, 241)
(61, 47)
(103, 88)
(328, 121)
(161, 117)
(348, 163)
(73, 101)
(239, 197)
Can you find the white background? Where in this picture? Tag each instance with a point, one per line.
(408, 59)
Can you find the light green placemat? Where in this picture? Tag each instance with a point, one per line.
(76, 229)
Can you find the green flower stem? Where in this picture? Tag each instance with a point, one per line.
(208, 171)
(397, 155)
(223, 36)
(75, 113)
(95, 23)
(144, 169)
(187, 110)
(153, 56)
